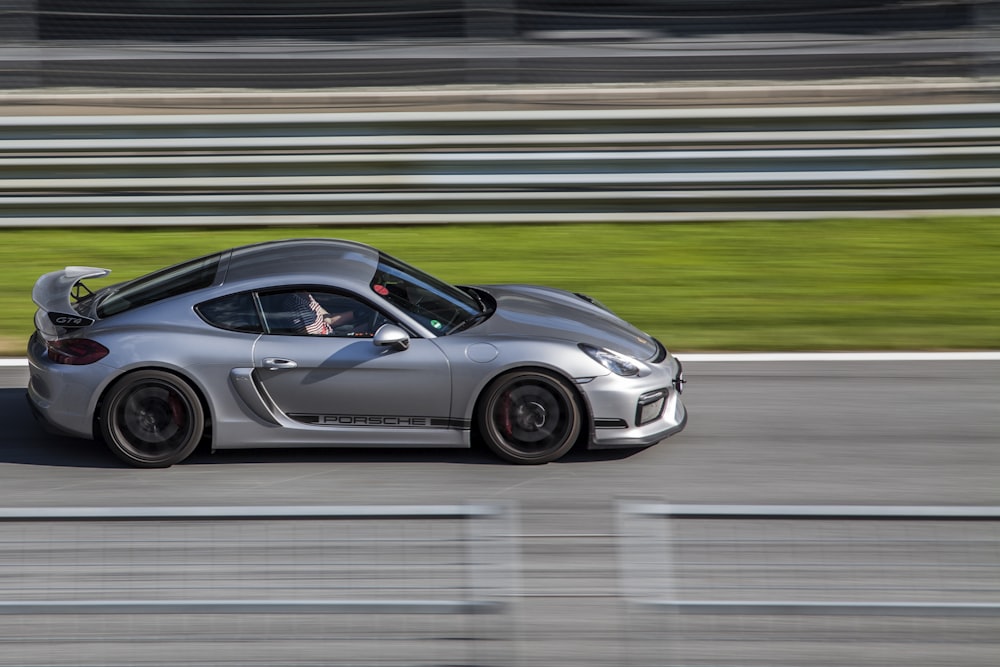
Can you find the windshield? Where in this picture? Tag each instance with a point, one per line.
(440, 307)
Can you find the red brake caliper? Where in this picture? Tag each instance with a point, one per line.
(508, 427)
(177, 409)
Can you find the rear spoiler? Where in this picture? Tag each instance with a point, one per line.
(52, 293)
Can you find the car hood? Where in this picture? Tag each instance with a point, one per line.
(544, 312)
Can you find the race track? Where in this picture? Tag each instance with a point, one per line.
(804, 433)
(921, 433)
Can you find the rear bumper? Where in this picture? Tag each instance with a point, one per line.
(62, 397)
(42, 420)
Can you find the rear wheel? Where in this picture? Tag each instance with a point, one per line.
(529, 417)
(152, 419)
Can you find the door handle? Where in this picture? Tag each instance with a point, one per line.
(277, 364)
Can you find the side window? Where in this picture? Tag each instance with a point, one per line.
(236, 312)
(310, 312)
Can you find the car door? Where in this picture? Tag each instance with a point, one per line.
(336, 376)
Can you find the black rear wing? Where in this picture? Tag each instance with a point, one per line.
(54, 293)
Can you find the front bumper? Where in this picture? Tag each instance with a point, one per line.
(617, 406)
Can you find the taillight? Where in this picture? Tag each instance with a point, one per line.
(76, 351)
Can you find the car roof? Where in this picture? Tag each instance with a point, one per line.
(342, 261)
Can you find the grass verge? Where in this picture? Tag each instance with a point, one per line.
(826, 285)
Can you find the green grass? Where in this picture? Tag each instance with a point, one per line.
(859, 284)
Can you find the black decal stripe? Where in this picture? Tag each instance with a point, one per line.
(403, 421)
(452, 423)
(306, 419)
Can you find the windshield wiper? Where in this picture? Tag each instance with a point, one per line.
(483, 314)
(472, 321)
(475, 295)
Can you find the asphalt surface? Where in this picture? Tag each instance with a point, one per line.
(797, 433)
(803, 433)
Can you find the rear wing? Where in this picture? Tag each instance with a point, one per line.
(52, 294)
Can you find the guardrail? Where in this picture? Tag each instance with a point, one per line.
(230, 565)
(808, 566)
(518, 166)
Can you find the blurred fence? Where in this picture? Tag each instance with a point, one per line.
(516, 166)
(256, 585)
(771, 585)
(320, 44)
(741, 586)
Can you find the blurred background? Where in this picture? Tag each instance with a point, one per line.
(516, 127)
(758, 175)
(313, 44)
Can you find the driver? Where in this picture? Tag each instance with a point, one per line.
(310, 317)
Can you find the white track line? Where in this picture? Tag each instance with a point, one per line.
(740, 357)
(769, 357)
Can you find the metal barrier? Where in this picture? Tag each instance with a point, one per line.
(791, 584)
(244, 570)
(518, 166)
(307, 44)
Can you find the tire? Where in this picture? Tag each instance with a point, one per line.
(529, 417)
(152, 419)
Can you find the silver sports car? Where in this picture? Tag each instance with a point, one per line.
(327, 343)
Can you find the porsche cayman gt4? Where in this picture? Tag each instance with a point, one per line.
(328, 343)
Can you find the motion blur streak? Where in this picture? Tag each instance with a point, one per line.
(765, 357)
(316, 44)
(378, 585)
(809, 585)
(780, 437)
(568, 577)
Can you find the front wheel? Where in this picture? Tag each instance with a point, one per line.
(152, 419)
(529, 417)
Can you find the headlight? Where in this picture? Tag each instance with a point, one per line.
(617, 363)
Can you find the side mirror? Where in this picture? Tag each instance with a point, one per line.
(389, 335)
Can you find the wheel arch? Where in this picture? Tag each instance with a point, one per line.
(176, 372)
(586, 414)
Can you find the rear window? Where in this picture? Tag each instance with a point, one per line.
(237, 312)
(174, 280)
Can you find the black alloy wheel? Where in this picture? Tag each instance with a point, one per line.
(529, 417)
(152, 419)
